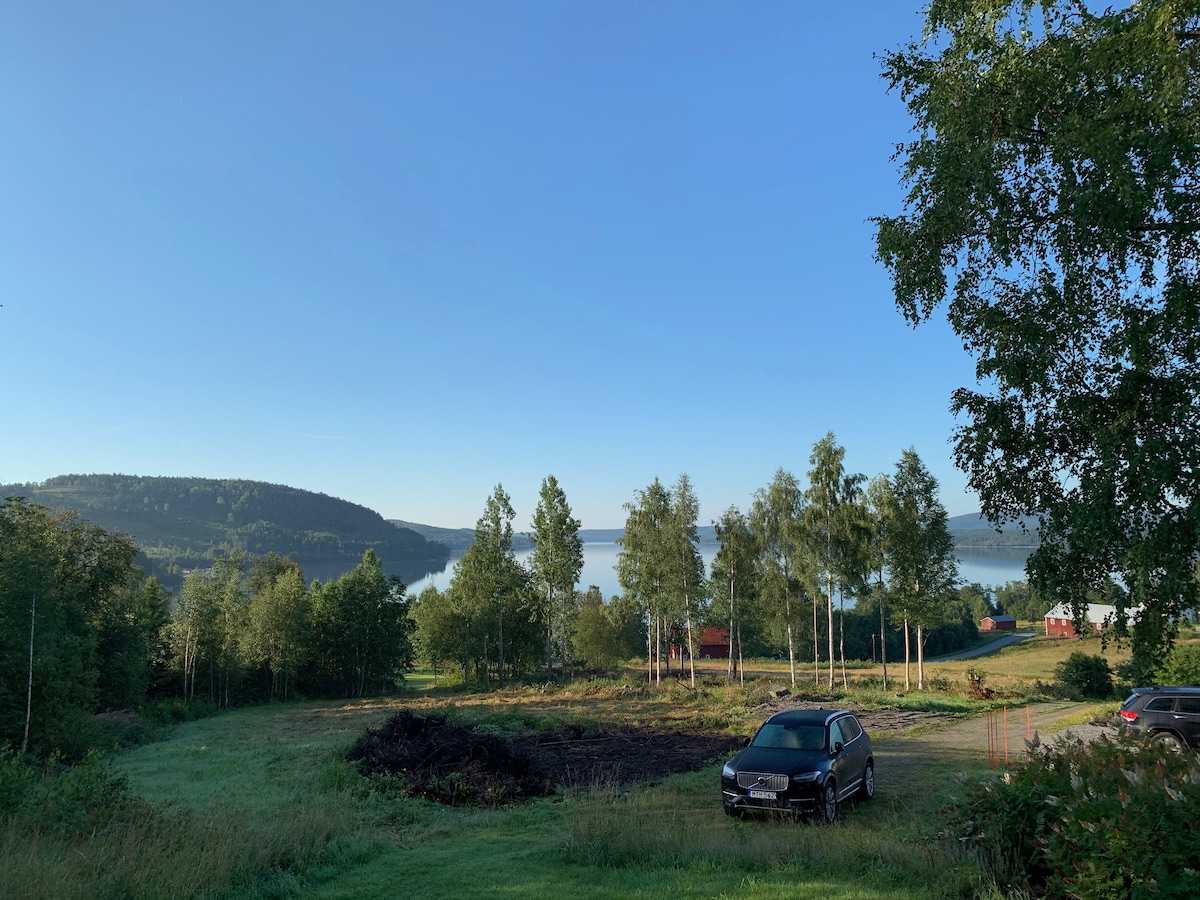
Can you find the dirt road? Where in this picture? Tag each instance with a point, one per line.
(966, 742)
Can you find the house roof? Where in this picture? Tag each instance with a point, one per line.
(1096, 612)
(1001, 618)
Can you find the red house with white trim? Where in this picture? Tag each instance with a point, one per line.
(1060, 624)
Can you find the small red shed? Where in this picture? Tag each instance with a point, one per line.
(998, 623)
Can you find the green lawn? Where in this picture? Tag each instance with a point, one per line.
(264, 769)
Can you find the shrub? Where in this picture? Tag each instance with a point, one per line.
(175, 710)
(66, 800)
(1107, 820)
(1182, 666)
(1089, 675)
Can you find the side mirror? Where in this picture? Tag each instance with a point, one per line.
(838, 747)
(746, 742)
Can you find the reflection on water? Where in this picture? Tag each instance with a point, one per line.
(988, 567)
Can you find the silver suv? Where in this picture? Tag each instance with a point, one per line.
(1167, 714)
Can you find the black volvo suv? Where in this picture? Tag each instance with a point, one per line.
(1167, 714)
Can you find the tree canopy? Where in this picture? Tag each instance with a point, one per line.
(1053, 208)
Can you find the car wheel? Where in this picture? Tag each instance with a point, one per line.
(829, 801)
(867, 790)
(1169, 740)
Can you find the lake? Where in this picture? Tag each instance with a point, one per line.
(988, 567)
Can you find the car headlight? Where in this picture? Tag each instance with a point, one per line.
(804, 777)
(727, 771)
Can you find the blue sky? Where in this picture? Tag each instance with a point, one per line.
(401, 252)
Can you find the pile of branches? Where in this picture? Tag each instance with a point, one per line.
(449, 763)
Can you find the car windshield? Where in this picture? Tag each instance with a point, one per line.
(790, 736)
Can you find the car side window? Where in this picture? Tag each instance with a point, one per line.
(1161, 704)
(835, 734)
(850, 729)
(1189, 704)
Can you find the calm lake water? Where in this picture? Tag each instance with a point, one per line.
(988, 567)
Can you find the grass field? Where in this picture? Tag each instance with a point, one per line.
(258, 802)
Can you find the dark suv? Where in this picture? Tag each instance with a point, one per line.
(1167, 714)
(801, 760)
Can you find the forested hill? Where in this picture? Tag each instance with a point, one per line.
(184, 523)
(973, 532)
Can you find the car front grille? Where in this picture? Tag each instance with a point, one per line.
(760, 782)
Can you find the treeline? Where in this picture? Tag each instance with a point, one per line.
(835, 570)
(83, 630)
(187, 523)
(838, 569)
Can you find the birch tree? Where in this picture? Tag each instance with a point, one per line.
(1053, 213)
(555, 562)
(920, 553)
(775, 522)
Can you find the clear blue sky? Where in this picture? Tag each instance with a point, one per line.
(400, 252)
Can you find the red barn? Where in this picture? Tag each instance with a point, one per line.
(998, 623)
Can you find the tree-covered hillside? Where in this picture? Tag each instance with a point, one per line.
(973, 532)
(185, 523)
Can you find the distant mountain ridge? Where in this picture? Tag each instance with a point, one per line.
(185, 523)
(973, 532)
(459, 539)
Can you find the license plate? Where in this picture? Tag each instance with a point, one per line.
(763, 795)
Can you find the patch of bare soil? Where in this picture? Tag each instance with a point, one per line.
(450, 763)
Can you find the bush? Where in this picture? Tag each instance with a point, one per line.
(67, 800)
(1090, 676)
(175, 710)
(1182, 666)
(1106, 820)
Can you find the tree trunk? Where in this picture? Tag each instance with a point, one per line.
(842, 636)
(549, 632)
(742, 670)
(658, 643)
(882, 639)
(729, 674)
(816, 647)
(920, 657)
(29, 688)
(500, 642)
(687, 605)
(829, 622)
(907, 657)
(787, 611)
(649, 648)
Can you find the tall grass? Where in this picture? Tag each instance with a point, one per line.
(81, 832)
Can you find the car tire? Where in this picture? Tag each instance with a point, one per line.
(867, 790)
(1169, 740)
(828, 802)
(732, 811)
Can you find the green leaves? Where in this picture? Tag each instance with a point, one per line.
(1109, 819)
(1053, 211)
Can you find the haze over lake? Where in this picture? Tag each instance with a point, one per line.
(988, 567)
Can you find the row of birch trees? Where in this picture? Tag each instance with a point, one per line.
(793, 562)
